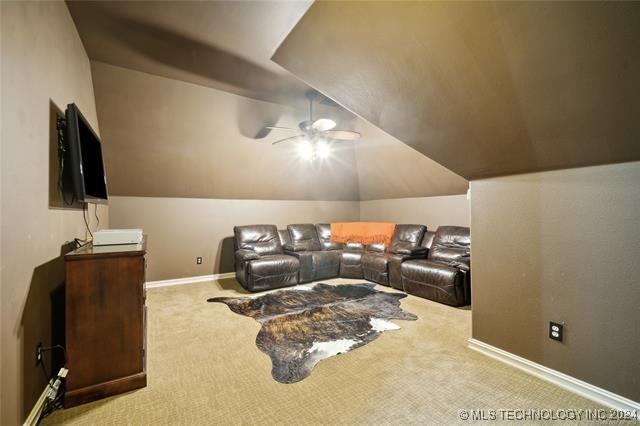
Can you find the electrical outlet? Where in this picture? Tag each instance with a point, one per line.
(198, 260)
(556, 331)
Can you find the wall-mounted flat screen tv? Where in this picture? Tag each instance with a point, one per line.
(86, 165)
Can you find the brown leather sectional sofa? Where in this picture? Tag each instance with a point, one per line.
(433, 265)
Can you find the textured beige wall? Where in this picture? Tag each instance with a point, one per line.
(168, 138)
(43, 62)
(430, 211)
(561, 246)
(180, 229)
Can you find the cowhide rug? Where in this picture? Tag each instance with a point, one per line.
(304, 325)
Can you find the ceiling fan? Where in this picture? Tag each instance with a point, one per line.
(312, 129)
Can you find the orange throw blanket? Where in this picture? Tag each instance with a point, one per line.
(363, 232)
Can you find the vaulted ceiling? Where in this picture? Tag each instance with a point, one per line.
(165, 138)
(483, 88)
(225, 45)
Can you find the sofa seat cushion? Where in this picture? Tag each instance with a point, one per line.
(274, 265)
(376, 261)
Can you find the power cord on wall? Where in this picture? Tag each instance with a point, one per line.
(56, 384)
(86, 222)
(95, 213)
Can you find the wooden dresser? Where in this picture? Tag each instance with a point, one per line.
(105, 321)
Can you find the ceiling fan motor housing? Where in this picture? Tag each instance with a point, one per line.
(305, 126)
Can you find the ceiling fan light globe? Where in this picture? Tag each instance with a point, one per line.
(305, 150)
(323, 150)
(323, 124)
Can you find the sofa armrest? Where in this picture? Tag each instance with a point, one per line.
(300, 254)
(291, 248)
(306, 262)
(244, 255)
(409, 251)
(462, 263)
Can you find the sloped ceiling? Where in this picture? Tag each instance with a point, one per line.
(225, 45)
(165, 137)
(388, 168)
(483, 88)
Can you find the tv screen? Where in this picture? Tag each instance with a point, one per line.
(85, 159)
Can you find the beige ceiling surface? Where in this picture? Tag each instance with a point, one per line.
(168, 138)
(388, 168)
(483, 88)
(221, 44)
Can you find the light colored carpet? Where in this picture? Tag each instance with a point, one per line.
(204, 368)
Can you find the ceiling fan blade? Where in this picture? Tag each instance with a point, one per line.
(343, 135)
(323, 125)
(281, 128)
(290, 138)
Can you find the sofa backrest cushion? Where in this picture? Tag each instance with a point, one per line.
(304, 237)
(450, 243)
(407, 237)
(324, 235)
(427, 240)
(262, 239)
(284, 237)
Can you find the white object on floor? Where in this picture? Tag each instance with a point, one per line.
(378, 324)
(334, 347)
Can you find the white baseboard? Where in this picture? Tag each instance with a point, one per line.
(34, 414)
(189, 280)
(594, 393)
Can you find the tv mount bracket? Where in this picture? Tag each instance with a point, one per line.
(61, 125)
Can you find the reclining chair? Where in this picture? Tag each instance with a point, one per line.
(445, 275)
(318, 260)
(260, 262)
(383, 266)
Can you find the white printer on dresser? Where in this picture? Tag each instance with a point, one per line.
(110, 237)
